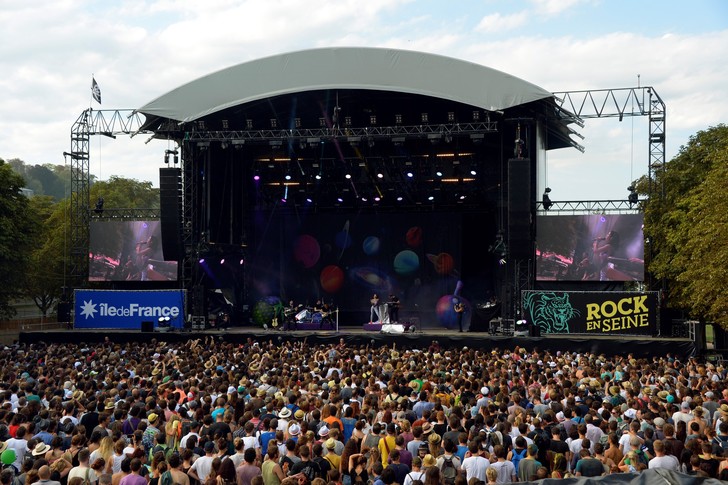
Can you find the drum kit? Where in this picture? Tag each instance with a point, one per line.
(313, 315)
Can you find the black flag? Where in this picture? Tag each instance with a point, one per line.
(95, 90)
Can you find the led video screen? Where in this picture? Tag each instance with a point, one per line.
(590, 248)
(128, 251)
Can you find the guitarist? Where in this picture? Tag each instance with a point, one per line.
(375, 309)
(459, 310)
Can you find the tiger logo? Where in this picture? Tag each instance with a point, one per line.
(551, 312)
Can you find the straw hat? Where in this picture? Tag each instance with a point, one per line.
(428, 461)
(41, 449)
(330, 444)
(285, 413)
(613, 390)
(427, 428)
(152, 418)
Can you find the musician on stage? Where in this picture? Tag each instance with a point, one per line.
(393, 305)
(459, 311)
(375, 309)
(289, 315)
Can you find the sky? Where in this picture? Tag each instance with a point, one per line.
(139, 50)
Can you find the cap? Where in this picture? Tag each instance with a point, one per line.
(152, 417)
(209, 447)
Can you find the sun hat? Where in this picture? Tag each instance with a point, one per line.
(285, 413)
(41, 449)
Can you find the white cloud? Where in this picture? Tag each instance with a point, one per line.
(501, 23)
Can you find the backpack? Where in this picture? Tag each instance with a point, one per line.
(642, 457)
(449, 472)
(721, 444)
(166, 478)
(517, 457)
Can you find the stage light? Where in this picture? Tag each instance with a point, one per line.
(448, 138)
(201, 125)
(297, 122)
(372, 120)
(256, 177)
(450, 116)
(222, 261)
(202, 260)
(364, 199)
(347, 120)
(633, 197)
(318, 176)
(322, 122)
(339, 199)
(249, 124)
(546, 200)
(241, 261)
(347, 176)
(476, 115)
(425, 118)
(399, 198)
(431, 198)
(309, 200)
(398, 119)
(410, 175)
(377, 198)
(380, 175)
(273, 123)
(473, 172)
(225, 124)
(288, 175)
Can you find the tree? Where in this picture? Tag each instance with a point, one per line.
(45, 275)
(17, 230)
(685, 224)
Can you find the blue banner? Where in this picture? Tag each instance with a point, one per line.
(128, 309)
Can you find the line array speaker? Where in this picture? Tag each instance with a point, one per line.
(520, 234)
(170, 204)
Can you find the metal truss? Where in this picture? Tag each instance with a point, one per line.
(618, 103)
(91, 122)
(351, 134)
(588, 207)
(125, 215)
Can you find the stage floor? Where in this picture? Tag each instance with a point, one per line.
(646, 346)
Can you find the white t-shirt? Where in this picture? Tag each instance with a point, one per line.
(475, 466)
(506, 471)
(668, 462)
(203, 466)
(412, 476)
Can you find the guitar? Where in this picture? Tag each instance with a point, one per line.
(274, 323)
(459, 307)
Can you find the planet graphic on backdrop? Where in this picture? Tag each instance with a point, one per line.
(406, 262)
(306, 250)
(370, 246)
(343, 239)
(445, 310)
(263, 310)
(414, 237)
(371, 278)
(442, 262)
(332, 278)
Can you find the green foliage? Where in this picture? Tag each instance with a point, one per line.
(687, 226)
(18, 227)
(119, 192)
(51, 180)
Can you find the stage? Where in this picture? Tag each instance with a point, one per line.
(639, 346)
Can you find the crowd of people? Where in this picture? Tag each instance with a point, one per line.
(207, 412)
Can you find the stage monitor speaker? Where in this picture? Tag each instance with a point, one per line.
(147, 327)
(520, 204)
(170, 209)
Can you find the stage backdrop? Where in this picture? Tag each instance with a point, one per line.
(127, 309)
(596, 313)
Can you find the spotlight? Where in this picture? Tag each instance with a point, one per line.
(431, 198)
(476, 115)
(372, 120)
(201, 125)
(398, 119)
(322, 122)
(273, 123)
(546, 200)
(225, 124)
(347, 120)
(297, 122)
(380, 175)
(241, 261)
(451, 116)
(256, 177)
(633, 197)
(249, 124)
(347, 176)
(410, 175)
(222, 261)
(425, 118)
(202, 260)
(473, 172)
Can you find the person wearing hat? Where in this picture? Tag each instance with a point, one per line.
(44, 435)
(150, 432)
(283, 416)
(331, 456)
(202, 466)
